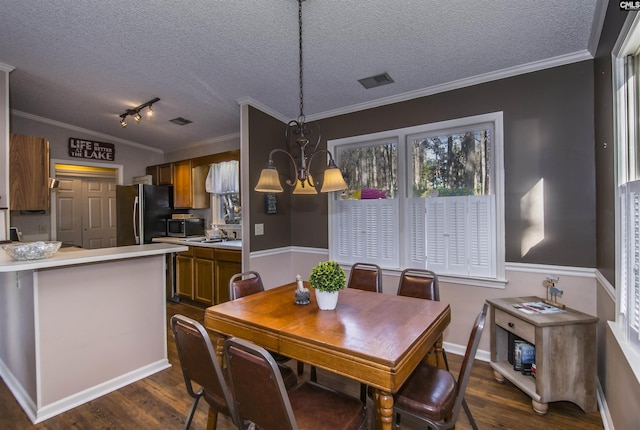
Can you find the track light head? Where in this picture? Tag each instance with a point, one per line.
(135, 112)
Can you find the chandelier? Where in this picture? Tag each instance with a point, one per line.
(297, 136)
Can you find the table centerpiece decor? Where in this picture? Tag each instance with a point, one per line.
(327, 278)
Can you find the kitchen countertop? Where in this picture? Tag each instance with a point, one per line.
(83, 256)
(194, 241)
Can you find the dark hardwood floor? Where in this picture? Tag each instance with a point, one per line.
(161, 402)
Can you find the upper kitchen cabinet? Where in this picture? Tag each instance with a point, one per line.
(188, 186)
(188, 178)
(153, 172)
(29, 173)
(161, 174)
(182, 184)
(165, 174)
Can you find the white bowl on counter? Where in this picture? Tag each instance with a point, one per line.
(25, 251)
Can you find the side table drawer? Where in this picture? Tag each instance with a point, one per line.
(515, 325)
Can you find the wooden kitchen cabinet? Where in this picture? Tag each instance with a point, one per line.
(153, 172)
(29, 173)
(164, 174)
(184, 274)
(565, 351)
(200, 197)
(182, 185)
(203, 267)
(228, 263)
(188, 183)
(203, 273)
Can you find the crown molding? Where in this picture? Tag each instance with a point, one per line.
(83, 130)
(6, 68)
(266, 109)
(210, 141)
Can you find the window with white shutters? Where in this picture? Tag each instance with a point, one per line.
(366, 231)
(460, 235)
(627, 97)
(630, 259)
(423, 197)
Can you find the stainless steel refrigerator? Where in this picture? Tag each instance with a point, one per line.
(141, 212)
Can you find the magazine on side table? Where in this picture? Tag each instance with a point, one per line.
(537, 308)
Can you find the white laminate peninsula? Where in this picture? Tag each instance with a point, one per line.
(227, 244)
(81, 324)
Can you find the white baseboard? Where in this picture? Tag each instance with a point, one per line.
(461, 350)
(22, 397)
(607, 423)
(38, 414)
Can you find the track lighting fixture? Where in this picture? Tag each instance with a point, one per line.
(135, 112)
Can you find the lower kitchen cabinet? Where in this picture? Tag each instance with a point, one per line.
(228, 263)
(184, 274)
(203, 268)
(202, 274)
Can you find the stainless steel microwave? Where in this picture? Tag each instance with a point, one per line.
(185, 227)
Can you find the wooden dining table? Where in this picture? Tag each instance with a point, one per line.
(376, 339)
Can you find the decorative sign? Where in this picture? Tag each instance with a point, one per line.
(270, 206)
(80, 148)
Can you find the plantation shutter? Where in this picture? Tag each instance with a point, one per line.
(342, 232)
(630, 282)
(417, 233)
(367, 231)
(436, 225)
(482, 236)
(461, 235)
(456, 235)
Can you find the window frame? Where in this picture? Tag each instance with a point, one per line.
(405, 191)
(626, 90)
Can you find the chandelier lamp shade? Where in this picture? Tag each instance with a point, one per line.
(297, 136)
(135, 112)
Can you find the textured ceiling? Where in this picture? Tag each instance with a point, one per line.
(84, 62)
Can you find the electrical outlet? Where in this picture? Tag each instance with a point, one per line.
(259, 229)
(42, 228)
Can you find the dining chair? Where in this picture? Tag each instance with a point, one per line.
(260, 395)
(248, 283)
(433, 395)
(365, 276)
(200, 366)
(423, 284)
(419, 283)
(244, 284)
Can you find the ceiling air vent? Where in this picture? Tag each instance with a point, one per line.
(376, 81)
(180, 121)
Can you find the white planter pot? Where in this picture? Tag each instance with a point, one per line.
(327, 301)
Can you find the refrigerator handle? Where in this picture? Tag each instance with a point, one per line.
(135, 220)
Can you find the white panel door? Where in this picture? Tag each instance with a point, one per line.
(98, 215)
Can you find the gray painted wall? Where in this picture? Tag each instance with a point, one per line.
(548, 126)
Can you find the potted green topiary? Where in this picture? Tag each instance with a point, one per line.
(327, 278)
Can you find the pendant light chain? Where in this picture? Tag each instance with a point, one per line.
(301, 118)
(299, 153)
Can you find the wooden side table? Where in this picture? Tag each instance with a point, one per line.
(565, 353)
